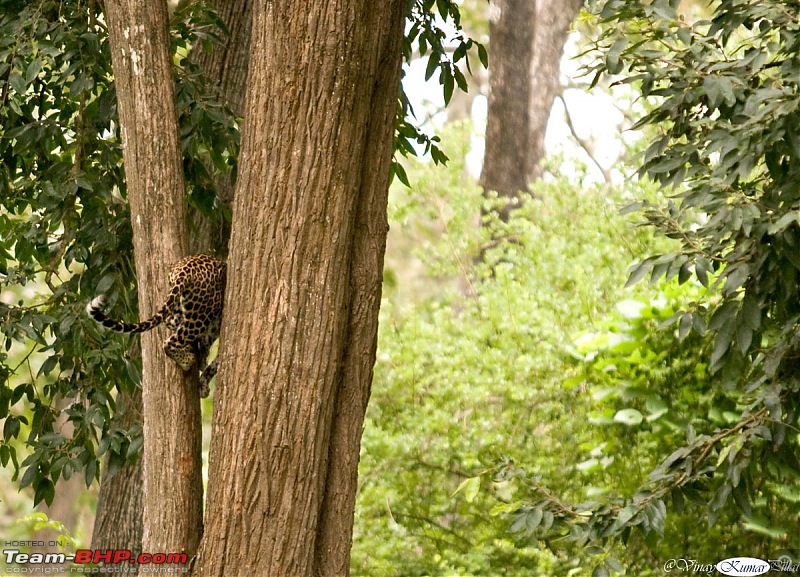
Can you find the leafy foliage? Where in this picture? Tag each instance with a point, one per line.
(67, 234)
(531, 417)
(437, 36)
(651, 393)
(65, 230)
(469, 380)
(724, 103)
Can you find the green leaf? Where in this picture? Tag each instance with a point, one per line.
(638, 272)
(448, 83)
(628, 417)
(763, 527)
(470, 487)
(10, 428)
(788, 218)
(136, 444)
(434, 62)
(48, 365)
(547, 520)
(687, 321)
(711, 86)
(113, 465)
(600, 571)
(722, 342)
(534, 518)
(105, 283)
(613, 61)
(750, 313)
(614, 565)
(483, 55)
(461, 81)
(400, 172)
(33, 70)
(735, 276)
(667, 164)
(90, 472)
(720, 497)
(44, 491)
(744, 337)
(31, 473)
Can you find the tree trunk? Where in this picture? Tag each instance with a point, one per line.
(118, 522)
(172, 490)
(527, 40)
(551, 29)
(505, 164)
(335, 530)
(300, 327)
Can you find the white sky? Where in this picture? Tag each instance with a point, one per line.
(594, 115)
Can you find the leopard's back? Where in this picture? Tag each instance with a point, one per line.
(192, 312)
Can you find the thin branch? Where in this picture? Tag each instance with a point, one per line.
(585, 144)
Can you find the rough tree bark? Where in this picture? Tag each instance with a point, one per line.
(551, 28)
(300, 327)
(505, 163)
(172, 489)
(526, 42)
(118, 522)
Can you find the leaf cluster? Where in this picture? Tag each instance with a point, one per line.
(650, 473)
(723, 111)
(434, 33)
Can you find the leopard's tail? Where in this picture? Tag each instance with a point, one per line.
(95, 310)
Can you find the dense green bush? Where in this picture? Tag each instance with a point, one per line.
(473, 367)
(526, 407)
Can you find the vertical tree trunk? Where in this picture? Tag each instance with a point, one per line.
(118, 523)
(305, 264)
(551, 29)
(506, 160)
(335, 529)
(526, 43)
(172, 492)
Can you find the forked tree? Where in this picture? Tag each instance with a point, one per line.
(305, 268)
(527, 43)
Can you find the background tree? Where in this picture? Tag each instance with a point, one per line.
(722, 98)
(527, 42)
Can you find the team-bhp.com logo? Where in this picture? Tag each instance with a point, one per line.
(743, 566)
(97, 556)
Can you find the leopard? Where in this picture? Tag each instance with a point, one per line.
(192, 312)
